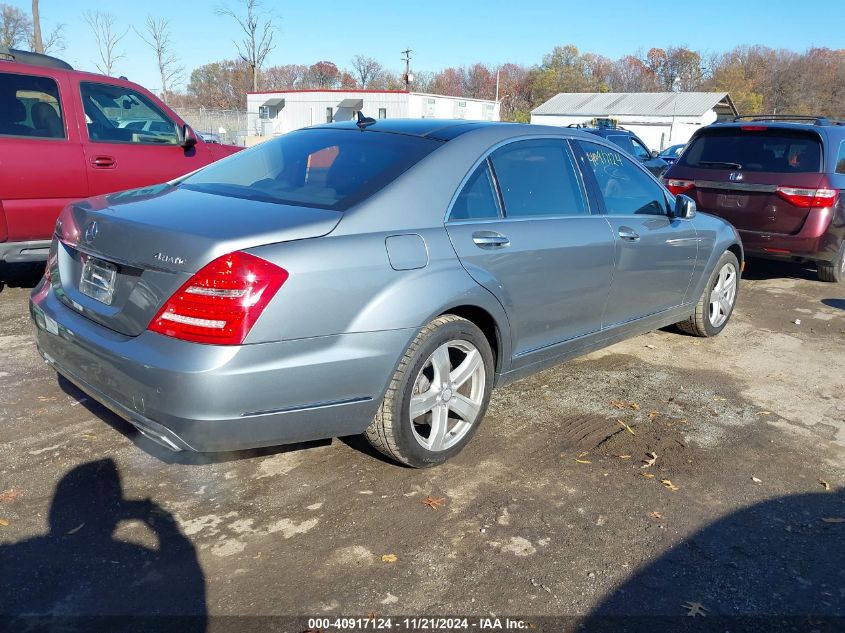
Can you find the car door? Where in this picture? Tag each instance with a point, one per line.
(655, 253)
(41, 163)
(522, 227)
(121, 155)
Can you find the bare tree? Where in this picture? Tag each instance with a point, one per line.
(258, 35)
(366, 70)
(55, 41)
(107, 38)
(15, 27)
(158, 38)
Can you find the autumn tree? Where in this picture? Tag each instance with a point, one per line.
(258, 31)
(285, 77)
(221, 85)
(324, 74)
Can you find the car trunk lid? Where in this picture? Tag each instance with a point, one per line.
(120, 257)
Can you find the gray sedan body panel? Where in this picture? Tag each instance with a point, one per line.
(361, 284)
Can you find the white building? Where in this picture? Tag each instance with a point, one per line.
(278, 112)
(660, 119)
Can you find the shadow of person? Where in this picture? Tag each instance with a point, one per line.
(79, 576)
(775, 566)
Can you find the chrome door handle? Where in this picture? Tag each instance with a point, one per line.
(490, 239)
(629, 235)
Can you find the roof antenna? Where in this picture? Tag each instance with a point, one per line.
(364, 121)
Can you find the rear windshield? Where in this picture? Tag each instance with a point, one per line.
(773, 150)
(323, 168)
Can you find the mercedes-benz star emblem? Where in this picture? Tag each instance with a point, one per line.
(91, 231)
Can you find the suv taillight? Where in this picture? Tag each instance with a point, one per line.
(679, 186)
(220, 304)
(808, 198)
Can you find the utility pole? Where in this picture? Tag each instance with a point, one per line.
(407, 77)
(37, 42)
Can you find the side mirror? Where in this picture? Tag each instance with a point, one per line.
(187, 137)
(685, 207)
(655, 153)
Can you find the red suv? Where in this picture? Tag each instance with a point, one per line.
(778, 180)
(66, 134)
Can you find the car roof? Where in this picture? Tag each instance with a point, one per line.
(439, 129)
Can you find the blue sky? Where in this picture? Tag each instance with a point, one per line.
(448, 33)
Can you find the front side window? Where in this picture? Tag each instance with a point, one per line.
(322, 167)
(30, 106)
(537, 178)
(115, 114)
(626, 189)
(477, 200)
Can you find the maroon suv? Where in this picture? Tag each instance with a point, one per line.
(778, 181)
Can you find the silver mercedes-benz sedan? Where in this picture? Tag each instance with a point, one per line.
(371, 277)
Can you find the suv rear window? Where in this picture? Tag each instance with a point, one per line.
(323, 168)
(769, 150)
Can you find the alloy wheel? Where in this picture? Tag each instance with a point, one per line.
(723, 295)
(447, 396)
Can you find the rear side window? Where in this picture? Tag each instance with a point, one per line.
(625, 187)
(324, 168)
(630, 145)
(763, 150)
(115, 114)
(30, 106)
(840, 159)
(477, 200)
(538, 177)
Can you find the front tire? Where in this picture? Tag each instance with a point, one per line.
(834, 271)
(717, 301)
(438, 394)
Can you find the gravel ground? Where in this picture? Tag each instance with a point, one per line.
(555, 508)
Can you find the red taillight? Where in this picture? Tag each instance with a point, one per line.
(221, 303)
(679, 186)
(808, 198)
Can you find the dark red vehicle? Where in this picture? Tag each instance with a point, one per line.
(66, 134)
(778, 180)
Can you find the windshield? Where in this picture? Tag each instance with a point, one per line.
(324, 168)
(764, 150)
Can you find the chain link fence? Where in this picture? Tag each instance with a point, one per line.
(224, 126)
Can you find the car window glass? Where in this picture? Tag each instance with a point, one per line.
(30, 106)
(115, 114)
(477, 199)
(325, 168)
(840, 160)
(626, 189)
(639, 150)
(771, 150)
(538, 177)
(630, 144)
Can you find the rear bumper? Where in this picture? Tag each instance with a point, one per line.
(19, 252)
(188, 396)
(818, 239)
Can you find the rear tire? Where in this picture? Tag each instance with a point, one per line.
(717, 301)
(445, 376)
(834, 271)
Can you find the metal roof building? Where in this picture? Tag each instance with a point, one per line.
(658, 118)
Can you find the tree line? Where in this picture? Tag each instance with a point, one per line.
(758, 78)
